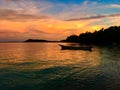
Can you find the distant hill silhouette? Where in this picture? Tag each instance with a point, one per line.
(38, 40)
(107, 36)
(35, 40)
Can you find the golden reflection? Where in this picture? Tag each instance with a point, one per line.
(25, 56)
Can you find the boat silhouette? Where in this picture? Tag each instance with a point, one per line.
(63, 47)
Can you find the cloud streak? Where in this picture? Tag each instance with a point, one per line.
(115, 5)
(95, 17)
(6, 14)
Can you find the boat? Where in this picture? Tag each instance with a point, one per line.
(89, 48)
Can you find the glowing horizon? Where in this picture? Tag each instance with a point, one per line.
(54, 19)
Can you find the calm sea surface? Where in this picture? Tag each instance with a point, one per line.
(44, 66)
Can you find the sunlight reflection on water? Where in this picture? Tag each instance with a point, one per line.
(44, 66)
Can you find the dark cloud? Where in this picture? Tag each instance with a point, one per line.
(94, 17)
(6, 14)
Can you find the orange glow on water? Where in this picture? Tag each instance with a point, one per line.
(29, 58)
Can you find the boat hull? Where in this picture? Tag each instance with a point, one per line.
(89, 48)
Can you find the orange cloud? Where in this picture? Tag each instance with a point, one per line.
(50, 29)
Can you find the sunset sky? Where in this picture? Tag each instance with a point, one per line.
(55, 19)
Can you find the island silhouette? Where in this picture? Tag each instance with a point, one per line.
(38, 40)
(108, 36)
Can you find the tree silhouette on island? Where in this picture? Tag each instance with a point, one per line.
(107, 36)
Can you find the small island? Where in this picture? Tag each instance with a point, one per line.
(38, 40)
(35, 40)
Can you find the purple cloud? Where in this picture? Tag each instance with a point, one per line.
(94, 17)
(6, 14)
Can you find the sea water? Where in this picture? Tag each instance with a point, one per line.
(44, 66)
